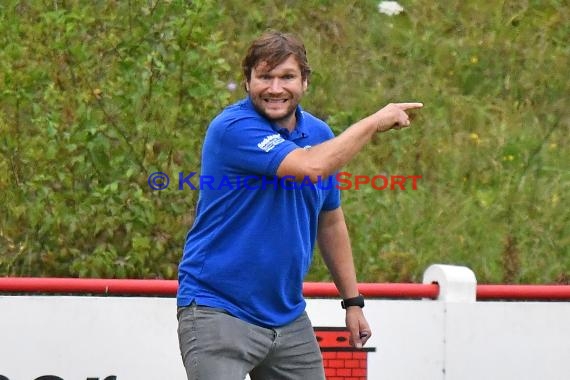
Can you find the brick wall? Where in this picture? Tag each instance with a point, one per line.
(341, 361)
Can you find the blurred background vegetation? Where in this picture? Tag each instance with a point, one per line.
(96, 95)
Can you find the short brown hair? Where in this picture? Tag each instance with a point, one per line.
(273, 47)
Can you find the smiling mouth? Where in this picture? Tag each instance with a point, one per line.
(276, 101)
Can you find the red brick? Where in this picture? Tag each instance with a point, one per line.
(359, 372)
(329, 355)
(345, 355)
(336, 363)
(351, 363)
(344, 372)
(363, 364)
(360, 355)
(330, 372)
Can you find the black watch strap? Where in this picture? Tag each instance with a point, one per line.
(355, 301)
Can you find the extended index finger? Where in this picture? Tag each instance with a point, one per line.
(409, 106)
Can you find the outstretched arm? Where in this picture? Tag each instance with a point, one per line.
(334, 244)
(324, 159)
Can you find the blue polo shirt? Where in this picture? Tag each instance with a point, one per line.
(253, 237)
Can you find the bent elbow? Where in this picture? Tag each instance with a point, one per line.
(317, 174)
(301, 165)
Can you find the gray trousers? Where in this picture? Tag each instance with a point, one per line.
(217, 346)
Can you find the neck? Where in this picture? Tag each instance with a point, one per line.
(288, 123)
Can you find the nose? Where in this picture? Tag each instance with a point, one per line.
(275, 85)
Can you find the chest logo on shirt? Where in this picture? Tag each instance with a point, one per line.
(270, 142)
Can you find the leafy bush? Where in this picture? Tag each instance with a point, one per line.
(95, 96)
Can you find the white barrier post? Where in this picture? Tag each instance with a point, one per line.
(456, 283)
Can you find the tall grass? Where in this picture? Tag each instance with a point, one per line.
(491, 143)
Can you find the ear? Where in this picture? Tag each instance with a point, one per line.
(246, 86)
(305, 85)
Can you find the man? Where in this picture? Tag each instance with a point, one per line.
(241, 309)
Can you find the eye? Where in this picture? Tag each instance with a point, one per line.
(288, 76)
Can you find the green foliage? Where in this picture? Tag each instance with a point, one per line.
(95, 96)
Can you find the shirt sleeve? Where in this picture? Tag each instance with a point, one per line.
(251, 146)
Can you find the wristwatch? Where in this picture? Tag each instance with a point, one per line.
(355, 301)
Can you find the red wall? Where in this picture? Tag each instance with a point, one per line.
(341, 361)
